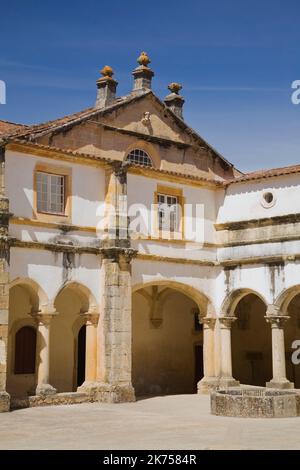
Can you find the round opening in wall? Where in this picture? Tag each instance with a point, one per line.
(268, 199)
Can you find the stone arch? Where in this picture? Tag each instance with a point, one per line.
(167, 346)
(285, 297)
(251, 344)
(148, 148)
(26, 298)
(288, 304)
(72, 301)
(85, 295)
(231, 301)
(38, 298)
(203, 302)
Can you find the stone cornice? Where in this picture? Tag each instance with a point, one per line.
(255, 223)
(150, 138)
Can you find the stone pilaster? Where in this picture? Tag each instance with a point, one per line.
(209, 381)
(115, 233)
(226, 379)
(113, 377)
(4, 284)
(277, 322)
(43, 353)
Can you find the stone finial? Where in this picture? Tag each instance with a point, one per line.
(142, 74)
(107, 87)
(175, 87)
(107, 71)
(174, 101)
(143, 59)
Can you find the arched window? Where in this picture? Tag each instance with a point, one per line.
(25, 347)
(139, 157)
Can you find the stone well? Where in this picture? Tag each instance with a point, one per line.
(255, 403)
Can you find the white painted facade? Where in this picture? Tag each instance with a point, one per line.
(248, 246)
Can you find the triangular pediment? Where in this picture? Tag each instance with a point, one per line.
(141, 121)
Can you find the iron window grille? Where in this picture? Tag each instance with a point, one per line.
(139, 157)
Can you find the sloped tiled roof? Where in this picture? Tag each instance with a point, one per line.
(34, 131)
(7, 127)
(263, 174)
(20, 132)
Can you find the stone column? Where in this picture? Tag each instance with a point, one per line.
(4, 284)
(226, 379)
(114, 327)
(277, 322)
(43, 354)
(209, 381)
(91, 349)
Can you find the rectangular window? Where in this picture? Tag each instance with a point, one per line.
(168, 212)
(50, 193)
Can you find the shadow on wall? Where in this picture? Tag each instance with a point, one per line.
(167, 347)
(251, 342)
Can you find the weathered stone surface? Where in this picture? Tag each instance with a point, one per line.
(4, 402)
(47, 400)
(255, 403)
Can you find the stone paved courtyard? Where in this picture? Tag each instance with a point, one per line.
(170, 422)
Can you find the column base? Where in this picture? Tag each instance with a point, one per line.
(45, 389)
(281, 384)
(207, 385)
(108, 393)
(225, 382)
(4, 402)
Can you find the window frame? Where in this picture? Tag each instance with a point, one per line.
(178, 233)
(62, 171)
(137, 149)
(174, 203)
(50, 194)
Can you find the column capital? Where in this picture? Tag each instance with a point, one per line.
(115, 253)
(208, 322)
(44, 318)
(277, 321)
(226, 322)
(91, 317)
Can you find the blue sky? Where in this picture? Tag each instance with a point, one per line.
(235, 59)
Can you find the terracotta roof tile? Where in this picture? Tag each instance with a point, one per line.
(37, 130)
(7, 127)
(265, 173)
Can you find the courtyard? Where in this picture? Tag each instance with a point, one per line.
(166, 422)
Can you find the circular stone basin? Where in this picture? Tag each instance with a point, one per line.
(255, 403)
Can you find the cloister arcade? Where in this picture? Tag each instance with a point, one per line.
(179, 344)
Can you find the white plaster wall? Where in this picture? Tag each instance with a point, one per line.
(88, 187)
(243, 200)
(201, 278)
(46, 269)
(141, 190)
(268, 281)
(190, 250)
